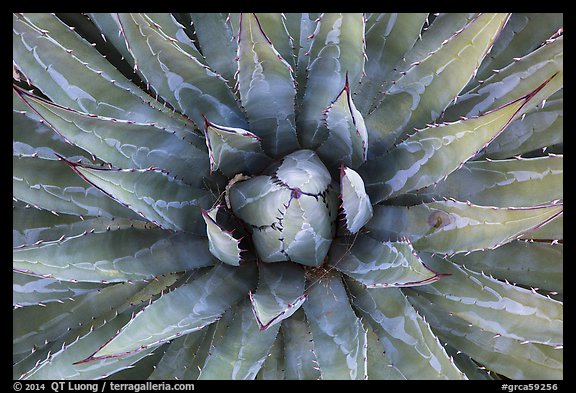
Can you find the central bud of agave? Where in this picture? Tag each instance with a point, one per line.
(291, 211)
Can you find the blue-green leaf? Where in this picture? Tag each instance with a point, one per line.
(380, 264)
(347, 141)
(267, 89)
(40, 325)
(274, 24)
(339, 337)
(273, 366)
(239, 347)
(129, 254)
(425, 90)
(337, 50)
(180, 79)
(186, 309)
(49, 184)
(523, 33)
(234, 150)
(184, 356)
(379, 365)
(453, 227)
(496, 306)
(505, 183)
(28, 290)
(527, 263)
(406, 337)
(153, 194)
(512, 358)
(125, 143)
(279, 294)
(217, 38)
(299, 358)
(431, 154)
(221, 243)
(356, 205)
(389, 36)
(539, 128)
(518, 78)
(58, 61)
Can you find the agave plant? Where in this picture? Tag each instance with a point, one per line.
(287, 196)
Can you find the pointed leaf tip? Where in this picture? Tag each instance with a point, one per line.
(221, 243)
(233, 150)
(356, 203)
(279, 294)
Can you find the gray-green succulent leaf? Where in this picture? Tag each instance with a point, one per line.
(287, 196)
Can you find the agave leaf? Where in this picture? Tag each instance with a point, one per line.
(184, 355)
(31, 136)
(239, 347)
(518, 78)
(347, 141)
(43, 358)
(273, 366)
(256, 201)
(388, 38)
(530, 264)
(307, 230)
(503, 183)
(145, 191)
(58, 61)
(274, 24)
(217, 39)
(279, 294)
(496, 306)
(293, 24)
(472, 370)
(303, 170)
(307, 25)
(109, 27)
(186, 309)
(380, 264)
(169, 26)
(337, 51)
(32, 227)
(506, 356)
(540, 128)
(37, 326)
(125, 144)
(30, 290)
(233, 150)
(60, 365)
(453, 227)
(552, 231)
(404, 335)
(140, 370)
(221, 243)
(129, 254)
(292, 215)
(427, 156)
(434, 35)
(426, 89)
(267, 89)
(356, 205)
(339, 336)
(46, 184)
(270, 247)
(377, 361)
(523, 33)
(299, 358)
(188, 85)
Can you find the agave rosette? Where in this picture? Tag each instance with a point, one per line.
(288, 196)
